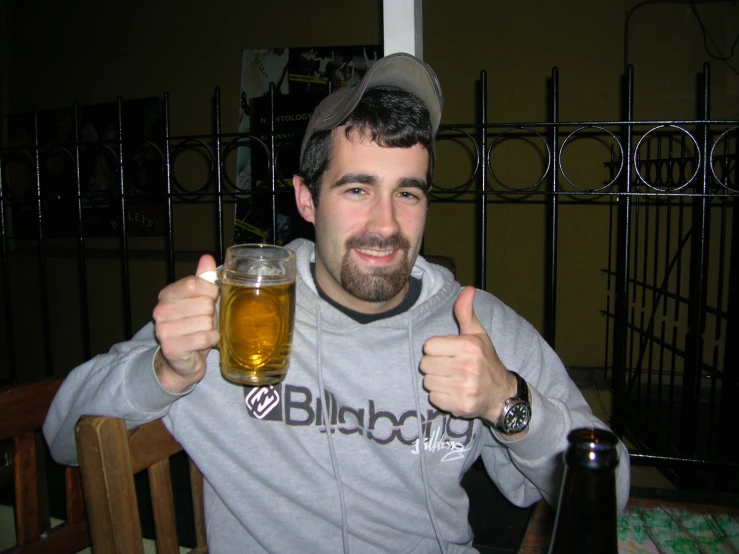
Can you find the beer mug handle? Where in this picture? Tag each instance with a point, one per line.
(211, 276)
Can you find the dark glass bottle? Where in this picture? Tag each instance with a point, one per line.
(587, 510)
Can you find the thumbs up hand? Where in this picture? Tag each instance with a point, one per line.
(463, 373)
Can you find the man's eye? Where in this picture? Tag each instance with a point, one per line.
(408, 195)
(355, 191)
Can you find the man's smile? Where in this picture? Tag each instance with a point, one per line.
(387, 253)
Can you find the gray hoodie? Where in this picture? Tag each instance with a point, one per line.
(278, 478)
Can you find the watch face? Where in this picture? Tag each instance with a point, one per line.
(517, 418)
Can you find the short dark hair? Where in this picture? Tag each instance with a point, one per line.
(389, 116)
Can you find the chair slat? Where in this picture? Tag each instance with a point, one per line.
(26, 489)
(75, 501)
(42, 485)
(107, 482)
(196, 488)
(162, 501)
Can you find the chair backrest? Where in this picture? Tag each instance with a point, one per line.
(109, 457)
(23, 408)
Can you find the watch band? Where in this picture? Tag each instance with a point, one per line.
(522, 389)
(518, 405)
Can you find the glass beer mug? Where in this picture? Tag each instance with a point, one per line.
(257, 313)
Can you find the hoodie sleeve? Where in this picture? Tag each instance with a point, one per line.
(121, 383)
(531, 468)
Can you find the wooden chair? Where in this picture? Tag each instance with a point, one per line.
(23, 408)
(109, 457)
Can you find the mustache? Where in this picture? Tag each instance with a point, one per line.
(396, 241)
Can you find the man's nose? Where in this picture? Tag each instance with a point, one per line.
(383, 219)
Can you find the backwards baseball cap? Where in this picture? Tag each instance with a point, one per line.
(396, 70)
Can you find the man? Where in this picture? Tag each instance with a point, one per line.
(395, 387)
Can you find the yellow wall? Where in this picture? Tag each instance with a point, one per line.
(93, 52)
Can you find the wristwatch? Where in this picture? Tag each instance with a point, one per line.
(516, 411)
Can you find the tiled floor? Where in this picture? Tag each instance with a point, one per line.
(598, 395)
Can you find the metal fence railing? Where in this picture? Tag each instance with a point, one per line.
(88, 222)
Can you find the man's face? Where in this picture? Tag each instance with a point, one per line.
(369, 221)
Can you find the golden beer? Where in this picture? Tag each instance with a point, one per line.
(256, 332)
(256, 314)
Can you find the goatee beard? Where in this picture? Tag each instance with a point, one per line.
(378, 284)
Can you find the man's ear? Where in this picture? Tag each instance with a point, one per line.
(304, 200)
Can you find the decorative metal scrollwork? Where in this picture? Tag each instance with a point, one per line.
(445, 135)
(502, 136)
(728, 162)
(574, 136)
(657, 165)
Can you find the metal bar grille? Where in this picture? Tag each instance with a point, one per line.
(670, 262)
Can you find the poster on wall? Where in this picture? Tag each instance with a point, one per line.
(99, 171)
(302, 77)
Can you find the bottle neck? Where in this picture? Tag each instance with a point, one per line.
(594, 449)
(587, 511)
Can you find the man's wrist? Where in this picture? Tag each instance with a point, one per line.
(168, 378)
(513, 419)
(492, 416)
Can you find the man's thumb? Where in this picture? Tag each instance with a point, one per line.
(206, 264)
(464, 311)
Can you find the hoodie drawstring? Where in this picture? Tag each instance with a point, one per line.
(329, 434)
(421, 448)
(332, 450)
